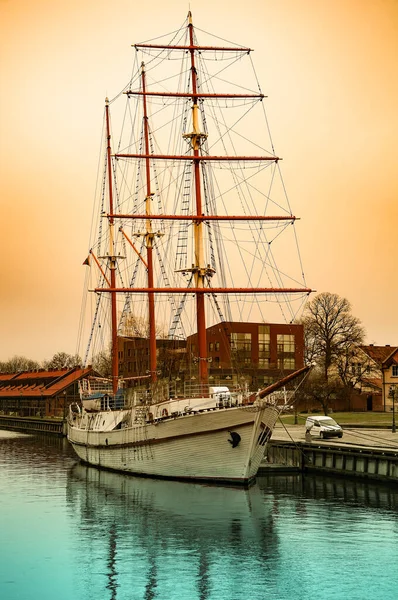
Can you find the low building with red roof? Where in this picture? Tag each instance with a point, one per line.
(41, 393)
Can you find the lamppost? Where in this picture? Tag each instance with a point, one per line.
(392, 395)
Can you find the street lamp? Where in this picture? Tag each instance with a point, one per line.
(392, 395)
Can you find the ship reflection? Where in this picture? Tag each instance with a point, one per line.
(112, 583)
(166, 538)
(146, 539)
(151, 585)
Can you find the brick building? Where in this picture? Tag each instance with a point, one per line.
(255, 353)
(133, 356)
(260, 353)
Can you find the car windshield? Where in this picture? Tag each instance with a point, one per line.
(328, 422)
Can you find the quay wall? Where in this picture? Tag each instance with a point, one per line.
(33, 425)
(371, 463)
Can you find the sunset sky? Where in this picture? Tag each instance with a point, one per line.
(330, 71)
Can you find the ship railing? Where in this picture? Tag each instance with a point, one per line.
(113, 402)
(223, 396)
(91, 385)
(196, 390)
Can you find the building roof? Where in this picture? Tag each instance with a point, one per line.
(40, 383)
(374, 382)
(381, 354)
(392, 358)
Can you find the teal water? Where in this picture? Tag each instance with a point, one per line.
(70, 532)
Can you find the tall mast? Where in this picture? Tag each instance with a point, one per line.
(199, 268)
(149, 238)
(112, 257)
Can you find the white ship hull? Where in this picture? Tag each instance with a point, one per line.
(189, 446)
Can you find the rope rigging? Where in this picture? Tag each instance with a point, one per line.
(251, 251)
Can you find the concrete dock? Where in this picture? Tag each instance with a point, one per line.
(361, 452)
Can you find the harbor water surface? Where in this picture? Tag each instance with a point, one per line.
(72, 532)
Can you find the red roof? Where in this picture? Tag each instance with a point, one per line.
(7, 376)
(392, 358)
(380, 354)
(375, 382)
(40, 383)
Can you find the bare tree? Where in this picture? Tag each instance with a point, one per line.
(316, 390)
(134, 326)
(354, 368)
(62, 360)
(170, 361)
(16, 364)
(330, 330)
(102, 363)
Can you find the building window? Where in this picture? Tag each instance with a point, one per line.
(264, 346)
(241, 341)
(241, 347)
(263, 362)
(354, 369)
(289, 363)
(285, 343)
(286, 351)
(395, 370)
(217, 346)
(211, 347)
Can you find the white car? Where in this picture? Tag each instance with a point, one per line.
(323, 427)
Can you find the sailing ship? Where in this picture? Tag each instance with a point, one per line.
(183, 217)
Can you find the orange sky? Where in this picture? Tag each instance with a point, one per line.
(330, 71)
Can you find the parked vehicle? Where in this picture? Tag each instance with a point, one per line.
(323, 427)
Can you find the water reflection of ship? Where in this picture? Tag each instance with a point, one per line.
(161, 530)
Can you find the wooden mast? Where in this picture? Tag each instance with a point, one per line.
(199, 268)
(112, 257)
(149, 239)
